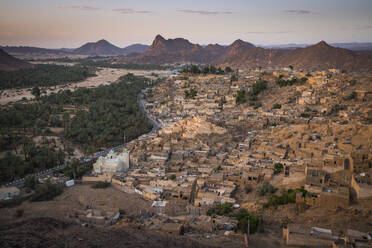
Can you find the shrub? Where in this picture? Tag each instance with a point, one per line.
(19, 213)
(31, 182)
(172, 177)
(248, 188)
(243, 216)
(253, 98)
(233, 78)
(122, 212)
(257, 105)
(266, 189)
(240, 97)
(101, 185)
(258, 87)
(285, 197)
(278, 167)
(305, 115)
(190, 94)
(224, 209)
(351, 96)
(277, 106)
(46, 192)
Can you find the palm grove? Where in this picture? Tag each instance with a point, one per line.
(91, 119)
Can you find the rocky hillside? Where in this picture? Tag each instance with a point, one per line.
(323, 56)
(10, 63)
(47, 232)
(243, 54)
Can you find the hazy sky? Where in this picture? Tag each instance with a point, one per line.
(70, 23)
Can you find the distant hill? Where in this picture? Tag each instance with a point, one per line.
(135, 48)
(323, 56)
(101, 47)
(28, 49)
(354, 46)
(10, 63)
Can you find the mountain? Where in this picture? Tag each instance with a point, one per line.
(322, 56)
(101, 47)
(10, 63)
(354, 46)
(241, 54)
(33, 50)
(135, 48)
(234, 51)
(179, 50)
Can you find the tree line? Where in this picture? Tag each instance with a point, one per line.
(44, 75)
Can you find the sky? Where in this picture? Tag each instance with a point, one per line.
(71, 23)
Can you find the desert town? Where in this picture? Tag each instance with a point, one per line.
(218, 146)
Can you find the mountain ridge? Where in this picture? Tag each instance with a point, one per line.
(10, 63)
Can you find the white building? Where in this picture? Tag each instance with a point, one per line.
(112, 163)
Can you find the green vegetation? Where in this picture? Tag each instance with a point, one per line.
(93, 119)
(234, 78)
(77, 170)
(285, 197)
(248, 188)
(101, 185)
(277, 106)
(266, 189)
(172, 177)
(228, 69)
(191, 93)
(255, 223)
(104, 113)
(46, 192)
(282, 83)
(44, 75)
(226, 209)
(257, 105)
(31, 182)
(240, 97)
(207, 69)
(278, 168)
(258, 87)
(97, 61)
(36, 92)
(35, 158)
(352, 96)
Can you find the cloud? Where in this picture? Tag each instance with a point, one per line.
(132, 11)
(356, 27)
(77, 7)
(271, 32)
(204, 12)
(300, 11)
(365, 27)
